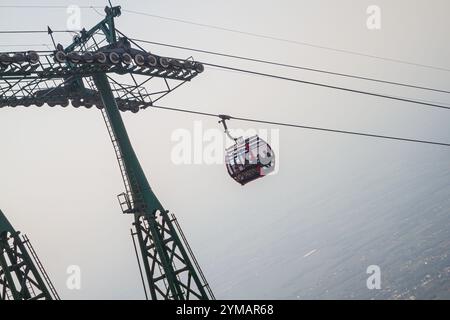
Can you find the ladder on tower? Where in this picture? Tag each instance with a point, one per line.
(126, 199)
(41, 268)
(9, 294)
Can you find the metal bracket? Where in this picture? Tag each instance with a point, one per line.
(125, 203)
(223, 120)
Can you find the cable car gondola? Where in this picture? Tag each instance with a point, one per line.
(248, 159)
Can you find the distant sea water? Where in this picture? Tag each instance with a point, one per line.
(401, 225)
(406, 233)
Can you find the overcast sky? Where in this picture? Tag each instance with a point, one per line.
(59, 176)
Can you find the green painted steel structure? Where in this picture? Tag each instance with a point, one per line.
(84, 73)
(159, 241)
(22, 276)
(161, 247)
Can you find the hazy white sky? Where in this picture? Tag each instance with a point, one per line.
(59, 177)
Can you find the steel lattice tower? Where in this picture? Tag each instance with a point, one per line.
(22, 276)
(88, 73)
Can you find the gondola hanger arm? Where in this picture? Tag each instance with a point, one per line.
(223, 120)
